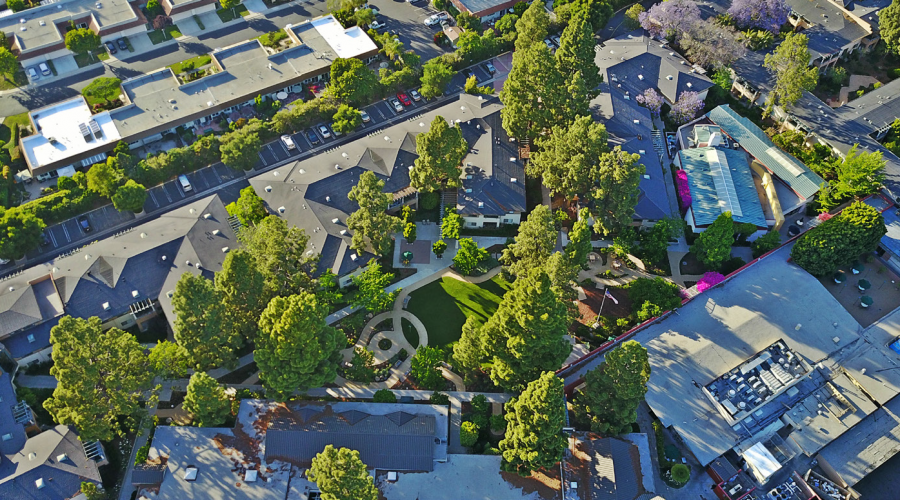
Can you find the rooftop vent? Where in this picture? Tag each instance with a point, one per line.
(207, 216)
(637, 122)
(335, 221)
(640, 77)
(190, 473)
(646, 176)
(268, 189)
(31, 338)
(143, 235)
(32, 455)
(513, 180)
(215, 232)
(224, 249)
(40, 481)
(250, 476)
(106, 306)
(480, 204)
(62, 458)
(468, 190)
(281, 210)
(668, 77)
(328, 198)
(343, 232)
(689, 84)
(135, 294)
(170, 294)
(392, 476)
(353, 257)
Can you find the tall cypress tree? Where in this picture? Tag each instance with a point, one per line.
(534, 432)
(200, 323)
(614, 390)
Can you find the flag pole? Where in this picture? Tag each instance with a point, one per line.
(602, 302)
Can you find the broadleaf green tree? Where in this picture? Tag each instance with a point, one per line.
(469, 350)
(168, 360)
(468, 434)
(372, 294)
(451, 224)
(8, 63)
(526, 333)
(534, 427)
(858, 174)
(104, 179)
(341, 475)
(130, 197)
(468, 256)
(346, 119)
(200, 323)
(82, 40)
(713, 246)
(424, 367)
(839, 240)
(659, 292)
(793, 74)
(240, 148)
(249, 208)
(533, 243)
(100, 378)
(441, 151)
(532, 26)
(352, 82)
(241, 287)
(567, 159)
(439, 247)
(206, 401)
(20, 232)
(371, 225)
(296, 349)
(409, 232)
(615, 389)
(436, 75)
(580, 245)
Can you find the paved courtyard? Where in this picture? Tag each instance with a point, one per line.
(885, 291)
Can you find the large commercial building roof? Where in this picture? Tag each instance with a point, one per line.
(720, 181)
(791, 171)
(720, 329)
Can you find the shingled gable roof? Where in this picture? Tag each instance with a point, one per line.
(634, 62)
(18, 309)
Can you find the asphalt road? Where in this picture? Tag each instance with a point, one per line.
(399, 16)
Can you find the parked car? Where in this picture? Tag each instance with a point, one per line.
(555, 40)
(45, 239)
(185, 183)
(549, 44)
(4, 262)
(490, 67)
(110, 47)
(45, 70)
(313, 138)
(404, 99)
(396, 104)
(288, 142)
(364, 116)
(84, 223)
(436, 18)
(33, 74)
(123, 45)
(336, 133)
(324, 131)
(415, 95)
(376, 25)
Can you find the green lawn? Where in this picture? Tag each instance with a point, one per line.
(157, 36)
(18, 80)
(8, 123)
(192, 63)
(444, 305)
(85, 59)
(410, 332)
(229, 14)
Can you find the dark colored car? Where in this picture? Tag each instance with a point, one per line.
(404, 99)
(122, 44)
(313, 138)
(110, 47)
(45, 239)
(84, 223)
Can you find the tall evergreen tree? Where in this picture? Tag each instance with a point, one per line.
(296, 349)
(469, 350)
(341, 475)
(531, 28)
(534, 431)
(576, 51)
(371, 225)
(100, 376)
(616, 190)
(441, 151)
(534, 242)
(614, 390)
(713, 246)
(200, 323)
(242, 289)
(525, 335)
(535, 95)
(206, 401)
(280, 254)
(566, 159)
(579, 245)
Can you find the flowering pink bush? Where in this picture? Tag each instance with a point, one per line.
(684, 191)
(709, 280)
(824, 216)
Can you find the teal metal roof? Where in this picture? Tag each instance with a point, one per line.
(791, 171)
(721, 181)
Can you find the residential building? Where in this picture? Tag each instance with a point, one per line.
(183, 9)
(124, 280)
(39, 34)
(48, 465)
(832, 29)
(272, 444)
(611, 468)
(486, 10)
(158, 103)
(312, 193)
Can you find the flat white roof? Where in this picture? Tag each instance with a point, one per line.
(347, 43)
(762, 460)
(60, 122)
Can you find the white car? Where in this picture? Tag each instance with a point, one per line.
(555, 40)
(549, 44)
(324, 131)
(33, 74)
(364, 116)
(4, 262)
(415, 95)
(288, 142)
(436, 18)
(396, 104)
(376, 25)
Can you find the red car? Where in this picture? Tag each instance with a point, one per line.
(404, 99)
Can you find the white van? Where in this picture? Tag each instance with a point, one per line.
(185, 183)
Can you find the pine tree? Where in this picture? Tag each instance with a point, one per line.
(242, 288)
(280, 254)
(535, 95)
(566, 160)
(101, 377)
(579, 245)
(534, 242)
(296, 349)
(469, 350)
(614, 390)
(616, 190)
(525, 335)
(200, 323)
(341, 475)
(441, 151)
(371, 225)
(576, 51)
(534, 431)
(532, 26)
(206, 401)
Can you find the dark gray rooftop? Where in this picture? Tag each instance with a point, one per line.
(831, 29)
(13, 432)
(615, 469)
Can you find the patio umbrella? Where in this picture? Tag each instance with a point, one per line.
(864, 284)
(858, 267)
(406, 256)
(840, 277)
(866, 301)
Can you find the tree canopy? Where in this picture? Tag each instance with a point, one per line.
(858, 174)
(436, 74)
(615, 389)
(20, 232)
(104, 178)
(346, 119)
(533, 243)
(240, 148)
(371, 225)
(713, 246)
(468, 256)
(206, 401)
(424, 367)
(580, 245)
(469, 350)
(100, 376)
(526, 332)
(130, 197)
(534, 437)
(839, 240)
(615, 193)
(241, 287)
(296, 349)
(281, 255)
(659, 293)
(249, 208)
(567, 159)
(793, 74)
(372, 294)
(352, 82)
(889, 26)
(82, 40)
(8, 62)
(200, 323)
(576, 51)
(769, 15)
(441, 151)
(341, 475)
(536, 96)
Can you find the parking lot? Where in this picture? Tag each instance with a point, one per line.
(407, 20)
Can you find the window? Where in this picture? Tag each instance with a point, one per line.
(30, 338)
(7, 436)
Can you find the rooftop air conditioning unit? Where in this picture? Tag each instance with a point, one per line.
(392, 476)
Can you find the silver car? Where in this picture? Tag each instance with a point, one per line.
(397, 106)
(324, 131)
